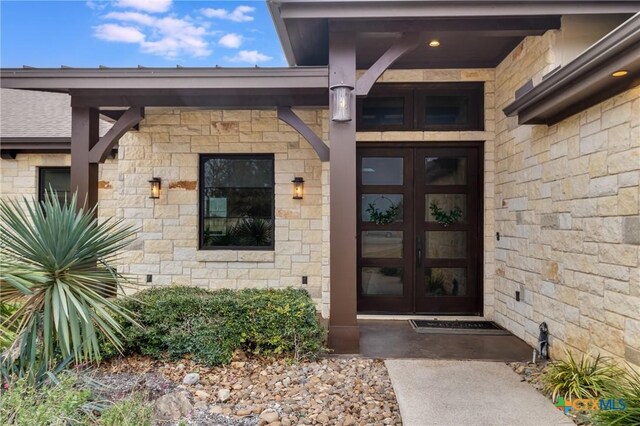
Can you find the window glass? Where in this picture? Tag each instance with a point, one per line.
(382, 170)
(383, 111)
(446, 110)
(237, 201)
(57, 179)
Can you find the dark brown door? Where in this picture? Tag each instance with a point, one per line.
(419, 229)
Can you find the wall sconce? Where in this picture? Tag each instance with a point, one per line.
(341, 102)
(298, 187)
(155, 184)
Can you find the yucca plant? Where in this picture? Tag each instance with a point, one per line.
(585, 378)
(56, 263)
(626, 389)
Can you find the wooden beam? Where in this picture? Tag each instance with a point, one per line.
(288, 116)
(407, 43)
(344, 335)
(84, 174)
(102, 149)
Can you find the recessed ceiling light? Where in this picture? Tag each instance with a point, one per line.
(620, 73)
(434, 43)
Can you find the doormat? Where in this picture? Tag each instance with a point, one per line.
(458, 327)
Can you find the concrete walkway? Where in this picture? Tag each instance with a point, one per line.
(466, 393)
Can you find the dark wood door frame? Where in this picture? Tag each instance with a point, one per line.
(396, 149)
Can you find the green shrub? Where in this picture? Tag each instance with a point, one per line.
(53, 404)
(56, 264)
(587, 378)
(133, 411)
(210, 325)
(626, 388)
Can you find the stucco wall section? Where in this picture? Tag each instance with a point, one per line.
(567, 211)
(487, 136)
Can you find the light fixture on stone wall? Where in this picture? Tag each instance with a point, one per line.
(155, 184)
(298, 188)
(341, 102)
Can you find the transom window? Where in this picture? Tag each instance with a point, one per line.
(422, 106)
(56, 178)
(236, 201)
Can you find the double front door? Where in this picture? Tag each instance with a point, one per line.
(420, 229)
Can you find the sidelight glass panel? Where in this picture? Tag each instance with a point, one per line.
(386, 281)
(445, 170)
(383, 111)
(382, 244)
(446, 244)
(382, 209)
(382, 170)
(447, 203)
(446, 110)
(445, 282)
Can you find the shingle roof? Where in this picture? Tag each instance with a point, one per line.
(26, 113)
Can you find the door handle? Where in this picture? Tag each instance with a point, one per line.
(419, 251)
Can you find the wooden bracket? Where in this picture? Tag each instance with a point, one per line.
(103, 147)
(288, 116)
(407, 43)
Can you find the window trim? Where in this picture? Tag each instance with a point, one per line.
(202, 158)
(41, 188)
(414, 105)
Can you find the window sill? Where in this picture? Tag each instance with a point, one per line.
(235, 256)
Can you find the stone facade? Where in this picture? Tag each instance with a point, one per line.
(566, 207)
(20, 178)
(168, 146)
(564, 198)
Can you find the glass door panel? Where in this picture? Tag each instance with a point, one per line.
(448, 205)
(419, 229)
(385, 246)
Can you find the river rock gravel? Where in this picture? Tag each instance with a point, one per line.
(330, 391)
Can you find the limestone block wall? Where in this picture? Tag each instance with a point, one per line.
(20, 178)
(167, 146)
(566, 207)
(487, 136)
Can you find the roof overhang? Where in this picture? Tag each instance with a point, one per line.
(301, 23)
(195, 87)
(585, 81)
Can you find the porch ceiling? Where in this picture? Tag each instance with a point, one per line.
(177, 87)
(473, 33)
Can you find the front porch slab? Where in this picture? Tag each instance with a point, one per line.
(390, 339)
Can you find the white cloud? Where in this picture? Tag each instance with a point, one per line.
(153, 6)
(231, 40)
(113, 32)
(139, 18)
(250, 57)
(96, 4)
(178, 36)
(169, 37)
(239, 14)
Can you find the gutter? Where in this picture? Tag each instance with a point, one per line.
(589, 64)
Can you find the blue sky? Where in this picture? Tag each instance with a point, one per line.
(128, 33)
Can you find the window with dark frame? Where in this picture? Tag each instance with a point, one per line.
(237, 201)
(57, 179)
(422, 106)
